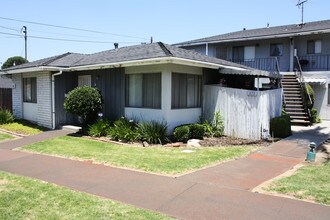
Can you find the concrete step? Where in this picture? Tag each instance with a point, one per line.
(71, 128)
(305, 118)
(293, 102)
(294, 106)
(290, 89)
(291, 98)
(294, 110)
(300, 122)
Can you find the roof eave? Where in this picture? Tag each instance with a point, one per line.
(161, 60)
(325, 31)
(30, 69)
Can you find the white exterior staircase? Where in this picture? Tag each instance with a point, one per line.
(293, 101)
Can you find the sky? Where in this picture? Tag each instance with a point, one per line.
(132, 22)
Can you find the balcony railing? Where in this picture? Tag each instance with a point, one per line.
(315, 62)
(268, 64)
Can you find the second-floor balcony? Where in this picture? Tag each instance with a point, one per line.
(267, 64)
(315, 62)
(308, 63)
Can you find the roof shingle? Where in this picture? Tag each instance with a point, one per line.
(289, 30)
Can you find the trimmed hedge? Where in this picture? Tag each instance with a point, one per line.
(85, 102)
(196, 131)
(281, 126)
(192, 131)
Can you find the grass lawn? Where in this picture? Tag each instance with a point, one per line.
(151, 159)
(25, 198)
(4, 137)
(22, 127)
(310, 182)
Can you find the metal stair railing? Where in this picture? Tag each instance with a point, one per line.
(303, 87)
(277, 67)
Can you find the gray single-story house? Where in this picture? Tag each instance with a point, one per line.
(145, 82)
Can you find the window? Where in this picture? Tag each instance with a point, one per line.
(314, 46)
(143, 90)
(244, 53)
(85, 80)
(30, 90)
(186, 90)
(276, 50)
(221, 53)
(238, 53)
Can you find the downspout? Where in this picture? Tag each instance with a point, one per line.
(206, 49)
(53, 96)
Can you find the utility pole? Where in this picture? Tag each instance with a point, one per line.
(25, 40)
(301, 5)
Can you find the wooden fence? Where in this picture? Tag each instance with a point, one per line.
(246, 113)
(6, 99)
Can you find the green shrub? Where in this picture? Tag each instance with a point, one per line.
(280, 126)
(216, 128)
(85, 102)
(196, 131)
(100, 128)
(124, 130)
(181, 133)
(153, 132)
(315, 118)
(6, 117)
(192, 131)
(308, 90)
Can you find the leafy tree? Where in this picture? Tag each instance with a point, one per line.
(13, 61)
(85, 102)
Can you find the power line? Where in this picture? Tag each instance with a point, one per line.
(72, 28)
(69, 40)
(8, 28)
(72, 35)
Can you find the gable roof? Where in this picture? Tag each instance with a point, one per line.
(134, 55)
(263, 33)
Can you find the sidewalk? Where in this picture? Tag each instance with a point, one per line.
(220, 192)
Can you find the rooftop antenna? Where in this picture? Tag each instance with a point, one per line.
(301, 5)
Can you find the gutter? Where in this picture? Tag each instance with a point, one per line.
(53, 96)
(161, 60)
(32, 69)
(262, 37)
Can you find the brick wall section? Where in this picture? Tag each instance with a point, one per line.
(17, 96)
(44, 99)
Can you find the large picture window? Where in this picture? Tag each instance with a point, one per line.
(186, 90)
(143, 90)
(30, 90)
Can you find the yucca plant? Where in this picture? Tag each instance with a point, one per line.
(123, 130)
(100, 128)
(6, 116)
(153, 132)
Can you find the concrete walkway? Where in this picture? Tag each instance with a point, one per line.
(220, 192)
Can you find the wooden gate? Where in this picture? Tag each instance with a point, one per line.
(6, 99)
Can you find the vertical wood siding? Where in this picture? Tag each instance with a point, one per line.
(246, 113)
(6, 99)
(110, 82)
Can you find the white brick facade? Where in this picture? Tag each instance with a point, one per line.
(44, 97)
(17, 96)
(44, 100)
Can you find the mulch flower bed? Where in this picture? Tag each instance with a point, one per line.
(232, 141)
